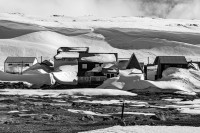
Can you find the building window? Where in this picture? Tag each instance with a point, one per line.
(26, 65)
(84, 66)
(112, 75)
(108, 75)
(9, 64)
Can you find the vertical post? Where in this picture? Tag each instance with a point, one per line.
(145, 71)
(122, 115)
(22, 68)
(41, 59)
(148, 60)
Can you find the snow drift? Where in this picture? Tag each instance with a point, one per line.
(175, 80)
(37, 80)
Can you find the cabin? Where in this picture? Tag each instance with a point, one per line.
(17, 65)
(94, 68)
(165, 62)
(68, 56)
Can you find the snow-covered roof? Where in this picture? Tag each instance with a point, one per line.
(67, 55)
(20, 59)
(98, 57)
(73, 49)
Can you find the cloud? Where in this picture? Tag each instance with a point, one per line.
(157, 8)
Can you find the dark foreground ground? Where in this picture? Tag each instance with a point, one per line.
(36, 114)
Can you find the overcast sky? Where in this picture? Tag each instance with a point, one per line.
(189, 9)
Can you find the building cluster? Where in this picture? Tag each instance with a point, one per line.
(94, 68)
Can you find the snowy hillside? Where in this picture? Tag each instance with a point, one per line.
(30, 36)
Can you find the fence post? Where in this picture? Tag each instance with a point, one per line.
(122, 115)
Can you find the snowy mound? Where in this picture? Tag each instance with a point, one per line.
(175, 80)
(66, 74)
(39, 67)
(37, 80)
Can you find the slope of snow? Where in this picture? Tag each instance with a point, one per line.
(36, 80)
(147, 129)
(175, 80)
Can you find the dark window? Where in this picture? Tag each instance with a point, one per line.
(108, 75)
(112, 75)
(84, 66)
(9, 64)
(26, 65)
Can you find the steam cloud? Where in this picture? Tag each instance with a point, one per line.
(187, 9)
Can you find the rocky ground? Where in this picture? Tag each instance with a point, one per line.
(45, 114)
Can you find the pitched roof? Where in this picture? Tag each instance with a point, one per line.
(170, 60)
(20, 59)
(133, 63)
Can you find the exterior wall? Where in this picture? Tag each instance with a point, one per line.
(16, 68)
(91, 79)
(90, 66)
(66, 61)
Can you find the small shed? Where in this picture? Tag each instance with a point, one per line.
(165, 62)
(17, 65)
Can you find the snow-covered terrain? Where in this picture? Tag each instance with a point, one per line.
(148, 129)
(22, 35)
(147, 37)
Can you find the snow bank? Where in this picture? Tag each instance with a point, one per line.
(37, 71)
(60, 93)
(36, 79)
(147, 129)
(66, 74)
(175, 80)
(125, 80)
(87, 112)
(66, 77)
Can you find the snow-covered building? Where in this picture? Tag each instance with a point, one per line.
(17, 65)
(165, 62)
(94, 68)
(68, 56)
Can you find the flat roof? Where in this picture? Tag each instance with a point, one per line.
(98, 57)
(63, 55)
